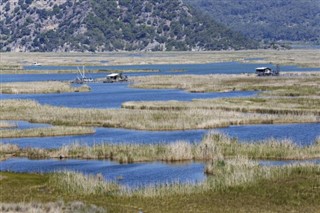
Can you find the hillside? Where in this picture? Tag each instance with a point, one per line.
(270, 20)
(93, 25)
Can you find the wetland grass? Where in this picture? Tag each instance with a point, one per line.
(213, 146)
(40, 87)
(261, 105)
(304, 58)
(45, 132)
(8, 150)
(7, 124)
(224, 174)
(141, 119)
(294, 189)
(284, 85)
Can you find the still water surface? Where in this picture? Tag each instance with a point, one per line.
(300, 134)
(133, 175)
(165, 69)
(113, 95)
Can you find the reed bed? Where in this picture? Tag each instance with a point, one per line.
(40, 87)
(140, 119)
(7, 124)
(214, 146)
(7, 150)
(264, 105)
(224, 174)
(77, 183)
(45, 132)
(284, 85)
(305, 58)
(269, 149)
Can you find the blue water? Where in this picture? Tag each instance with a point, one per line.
(133, 175)
(300, 134)
(165, 69)
(286, 162)
(27, 125)
(113, 95)
(109, 135)
(209, 68)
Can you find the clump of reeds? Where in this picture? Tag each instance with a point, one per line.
(77, 183)
(34, 153)
(178, 151)
(40, 87)
(45, 132)
(271, 149)
(7, 124)
(8, 148)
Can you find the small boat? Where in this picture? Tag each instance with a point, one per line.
(115, 77)
(82, 78)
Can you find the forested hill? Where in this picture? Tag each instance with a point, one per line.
(109, 25)
(271, 20)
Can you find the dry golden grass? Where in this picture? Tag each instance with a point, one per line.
(305, 58)
(284, 85)
(140, 119)
(40, 87)
(45, 132)
(269, 105)
(7, 124)
(214, 146)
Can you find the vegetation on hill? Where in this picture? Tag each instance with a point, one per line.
(92, 25)
(269, 20)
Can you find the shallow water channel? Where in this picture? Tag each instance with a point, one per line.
(113, 95)
(300, 134)
(132, 175)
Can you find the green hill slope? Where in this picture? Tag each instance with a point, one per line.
(270, 20)
(93, 25)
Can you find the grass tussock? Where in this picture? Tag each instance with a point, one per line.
(269, 149)
(77, 183)
(52, 207)
(45, 132)
(285, 85)
(8, 150)
(40, 87)
(141, 119)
